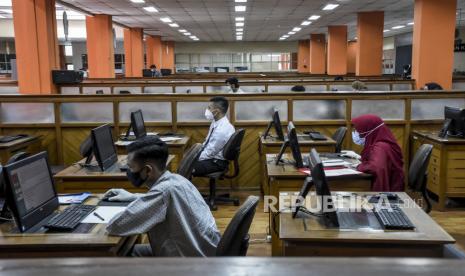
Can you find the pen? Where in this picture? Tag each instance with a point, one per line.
(99, 216)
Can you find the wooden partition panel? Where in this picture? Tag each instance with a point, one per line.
(65, 121)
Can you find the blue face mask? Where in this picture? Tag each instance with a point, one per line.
(357, 139)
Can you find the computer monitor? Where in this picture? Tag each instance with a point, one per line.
(103, 147)
(276, 123)
(292, 142)
(454, 124)
(137, 125)
(147, 73)
(318, 179)
(30, 191)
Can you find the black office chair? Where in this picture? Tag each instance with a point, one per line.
(418, 173)
(17, 157)
(339, 136)
(187, 163)
(235, 240)
(231, 152)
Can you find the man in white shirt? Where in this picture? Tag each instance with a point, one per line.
(212, 159)
(233, 83)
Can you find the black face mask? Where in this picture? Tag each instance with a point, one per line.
(135, 179)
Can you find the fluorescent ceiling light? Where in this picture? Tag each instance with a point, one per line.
(150, 9)
(188, 34)
(314, 17)
(240, 8)
(410, 23)
(386, 31)
(137, 1)
(306, 23)
(240, 33)
(182, 31)
(239, 30)
(291, 33)
(330, 7)
(6, 11)
(239, 18)
(239, 24)
(239, 37)
(5, 3)
(166, 19)
(240, 1)
(282, 38)
(174, 25)
(196, 39)
(286, 36)
(398, 27)
(296, 29)
(192, 36)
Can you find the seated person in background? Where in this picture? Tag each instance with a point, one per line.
(358, 86)
(211, 159)
(339, 78)
(432, 86)
(407, 73)
(381, 155)
(155, 72)
(233, 83)
(298, 88)
(173, 213)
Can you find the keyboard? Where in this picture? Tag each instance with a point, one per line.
(7, 139)
(317, 136)
(393, 219)
(70, 218)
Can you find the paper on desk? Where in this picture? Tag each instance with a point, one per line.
(131, 133)
(170, 139)
(106, 212)
(73, 198)
(341, 172)
(123, 143)
(335, 164)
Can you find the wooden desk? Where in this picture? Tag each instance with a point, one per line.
(272, 145)
(446, 170)
(305, 236)
(92, 244)
(233, 266)
(30, 144)
(286, 177)
(79, 179)
(176, 148)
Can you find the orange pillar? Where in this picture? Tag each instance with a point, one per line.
(337, 50)
(133, 52)
(318, 54)
(100, 46)
(433, 42)
(153, 49)
(351, 57)
(370, 43)
(302, 56)
(167, 55)
(36, 45)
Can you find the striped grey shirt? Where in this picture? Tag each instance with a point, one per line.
(175, 217)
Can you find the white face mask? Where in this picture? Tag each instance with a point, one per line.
(359, 140)
(209, 115)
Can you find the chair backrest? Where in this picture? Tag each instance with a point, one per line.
(235, 240)
(187, 163)
(232, 150)
(418, 167)
(339, 136)
(18, 156)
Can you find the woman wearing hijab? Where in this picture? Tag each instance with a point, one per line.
(381, 155)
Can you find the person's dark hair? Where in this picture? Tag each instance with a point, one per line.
(433, 86)
(232, 80)
(150, 148)
(298, 88)
(153, 66)
(221, 103)
(339, 78)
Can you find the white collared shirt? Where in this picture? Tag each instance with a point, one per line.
(220, 132)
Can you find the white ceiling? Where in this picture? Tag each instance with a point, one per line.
(265, 20)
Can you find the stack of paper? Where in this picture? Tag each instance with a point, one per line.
(103, 214)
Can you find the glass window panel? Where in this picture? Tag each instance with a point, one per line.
(189, 89)
(9, 90)
(279, 88)
(386, 109)
(153, 111)
(433, 109)
(132, 90)
(218, 89)
(401, 87)
(25, 113)
(93, 90)
(260, 110)
(158, 89)
(315, 110)
(66, 90)
(87, 112)
(191, 111)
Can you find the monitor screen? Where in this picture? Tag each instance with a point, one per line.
(31, 189)
(294, 144)
(104, 148)
(138, 125)
(457, 121)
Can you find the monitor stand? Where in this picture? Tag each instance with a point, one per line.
(445, 128)
(267, 132)
(282, 151)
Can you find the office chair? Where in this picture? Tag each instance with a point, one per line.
(418, 173)
(339, 136)
(187, 163)
(231, 152)
(18, 156)
(235, 240)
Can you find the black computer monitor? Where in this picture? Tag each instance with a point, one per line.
(147, 73)
(137, 125)
(318, 179)
(103, 147)
(276, 123)
(30, 191)
(454, 124)
(292, 142)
